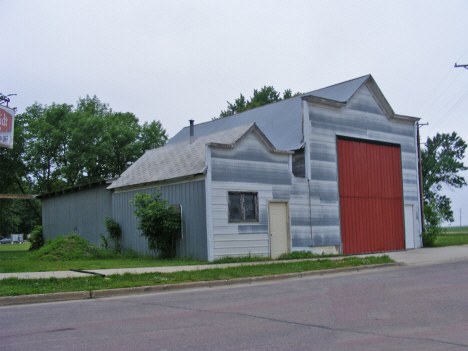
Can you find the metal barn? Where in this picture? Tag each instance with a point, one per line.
(78, 210)
(334, 171)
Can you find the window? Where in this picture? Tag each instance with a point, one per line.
(243, 207)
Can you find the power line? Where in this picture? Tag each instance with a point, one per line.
(449, 112)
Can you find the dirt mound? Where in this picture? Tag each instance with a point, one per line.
(64, 248)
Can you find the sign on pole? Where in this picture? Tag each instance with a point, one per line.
(7, 116)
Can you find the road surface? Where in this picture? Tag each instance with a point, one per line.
(398, 308)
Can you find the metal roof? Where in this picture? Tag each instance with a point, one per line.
(341, 92)
(281, 121)
(178, 160)
(76, 188)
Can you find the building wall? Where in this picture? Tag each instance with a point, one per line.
(80, 212)
(361, 118)
(190, 195)
(249, 167)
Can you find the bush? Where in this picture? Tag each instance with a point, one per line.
(115, 233)
(36, 238)
(429, 237)
(432, 222)
(159, 223)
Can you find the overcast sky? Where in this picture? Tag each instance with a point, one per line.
(178, 60)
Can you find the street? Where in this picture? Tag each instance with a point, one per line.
(398, 308)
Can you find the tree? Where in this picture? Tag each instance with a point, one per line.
(442, 159)
(59, 146)
(46, 141)
(261, 97)
(67, 146)
(16, 216)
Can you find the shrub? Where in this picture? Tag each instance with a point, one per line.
(429, 237)
(432, 222)
(36, 238)
(105, 242)
(115, 233)
(159, 223)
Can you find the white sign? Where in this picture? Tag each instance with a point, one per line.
(7, 123)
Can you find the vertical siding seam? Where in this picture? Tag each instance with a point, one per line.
(208, 202)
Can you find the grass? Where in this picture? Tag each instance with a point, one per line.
(451, 239)
(22, 261)
(14, 247)
(63, 254)
(456, 230)
(73, 252)
(15, 286)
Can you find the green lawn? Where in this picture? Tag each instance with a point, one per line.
(69, 253)
(14, 247)
(451, 239)
(456, 230)
(14, 286)
(16, 258)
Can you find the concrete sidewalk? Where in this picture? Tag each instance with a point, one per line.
(424, 256)
(430, 255)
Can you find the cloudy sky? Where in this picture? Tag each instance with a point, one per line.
(178, 60)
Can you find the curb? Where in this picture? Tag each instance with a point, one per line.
(97, 294)
(41, 298)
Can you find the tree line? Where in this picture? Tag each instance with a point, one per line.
(61, 146)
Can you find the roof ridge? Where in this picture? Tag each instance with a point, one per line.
(345, 82)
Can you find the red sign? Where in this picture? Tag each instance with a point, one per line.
(6, 126)
(5, 121)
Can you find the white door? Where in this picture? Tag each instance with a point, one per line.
(279, 228)
(409, 226)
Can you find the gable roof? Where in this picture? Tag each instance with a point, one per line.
(285, 133)
(171, 162)
(341, 92)
(282, 121)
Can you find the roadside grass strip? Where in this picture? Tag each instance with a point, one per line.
(15, 286)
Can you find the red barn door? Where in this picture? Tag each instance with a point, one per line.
(371, 197)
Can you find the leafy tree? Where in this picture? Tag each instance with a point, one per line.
(261, 97)
(152, 135)
(46, 140)
(16, 216)
(442, 159)
(59, 146)
(68, 146)
(158, 222)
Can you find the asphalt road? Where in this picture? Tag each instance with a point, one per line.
(398, 308)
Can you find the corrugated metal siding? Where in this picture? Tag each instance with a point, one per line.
(361, 118)
(191, 195)
(249, 167)
(81, 212)
(371, 197)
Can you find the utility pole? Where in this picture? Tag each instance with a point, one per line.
(464, 66)
(460, 216)
(421, 202)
